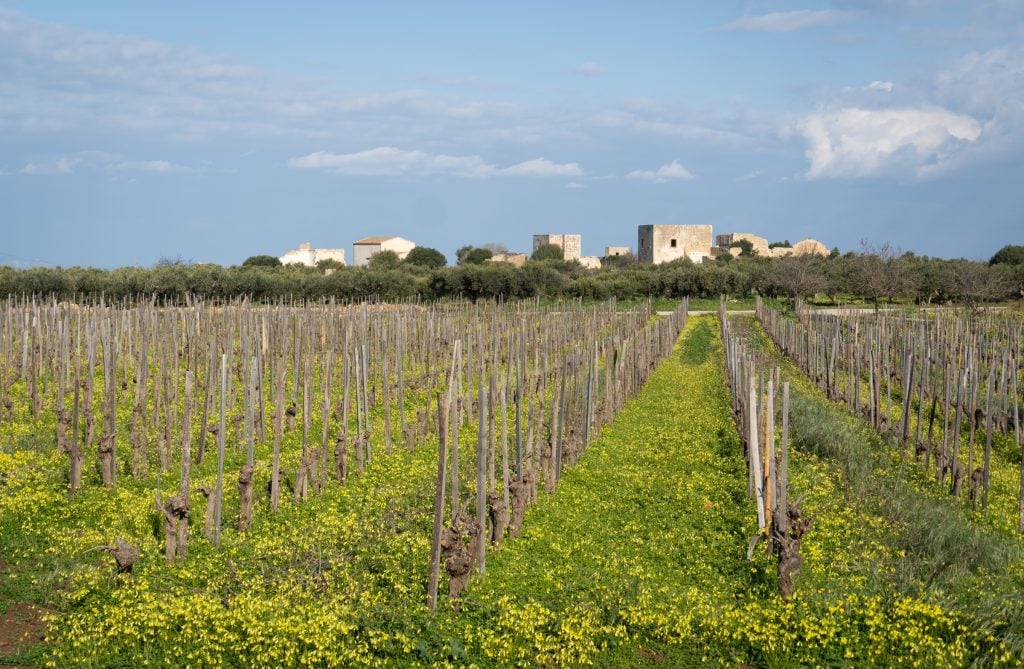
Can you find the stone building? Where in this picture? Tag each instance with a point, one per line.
(664, 243)
(810, 246)
(759, 244)
(305, 255)
(366, 248)
(610, 251)
(801, 248)
(571, 245)
(514, 259)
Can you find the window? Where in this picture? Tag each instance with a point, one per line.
(673, 243)
(641, 243)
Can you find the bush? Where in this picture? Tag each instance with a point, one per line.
(261, 261)
(548, 252)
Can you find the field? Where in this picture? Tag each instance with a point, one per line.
(493, 485)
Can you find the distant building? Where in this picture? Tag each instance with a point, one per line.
(664, 243)
(803, 247)
(304, 255)
(759, 244)
(366, 248)
(571, 245)
(610, 251)
(514, 259)
(810, 247)
(590, 262)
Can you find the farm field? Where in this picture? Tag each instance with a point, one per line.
(595, 505)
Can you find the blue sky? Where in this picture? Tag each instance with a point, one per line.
(213, 131)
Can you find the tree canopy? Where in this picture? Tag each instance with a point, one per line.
(261, 261)
(1008, 255)
(746, 248)
(424, 256)
(474, 255)
(548, 252)
(383, 260)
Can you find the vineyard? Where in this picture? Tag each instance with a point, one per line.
(246, 484)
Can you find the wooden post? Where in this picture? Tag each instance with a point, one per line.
(185, 491)
(755, 455)
(769, 455)
(455, 422)
(481, 474)
(435, 543)
(782, 480)
(520, 362)
(220, 448)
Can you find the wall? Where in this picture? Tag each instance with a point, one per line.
(363, 252)
(571, 245)
(305, 255)
(654, 242)
(399, 245)
(514, 259)
(616, 251)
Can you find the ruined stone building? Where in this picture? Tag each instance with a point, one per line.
(664, 243)
(514, 259)
(571, 245)
(366, 248)
(759, 244)
(724, 243)
(808, 247)
(610, 251)
(305, 255)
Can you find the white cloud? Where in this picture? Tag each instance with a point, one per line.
(667, 128)
(857, 142)
(61, 165)
(784, 22)
(750, 175)
(100, 161)
(671, 172)
(542, 167)
(392, 161)
(886, 86)
(157, 166)
(575, 185)
(589, 69)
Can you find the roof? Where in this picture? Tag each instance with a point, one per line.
(374, 240)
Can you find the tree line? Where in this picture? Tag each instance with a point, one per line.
(877, 276)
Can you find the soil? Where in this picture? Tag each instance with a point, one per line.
(20, 627)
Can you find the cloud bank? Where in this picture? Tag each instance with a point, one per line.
(392, 161)
(785, 22)
(670, 172)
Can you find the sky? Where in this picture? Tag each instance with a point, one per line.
(208, 132)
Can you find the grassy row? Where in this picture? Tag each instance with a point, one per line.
(941, 555)
(640, 559)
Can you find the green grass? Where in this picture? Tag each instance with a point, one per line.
(712, 304)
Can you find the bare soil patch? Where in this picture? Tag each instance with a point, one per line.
(21, 626)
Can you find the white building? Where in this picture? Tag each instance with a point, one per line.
(366, 248)
(304, 255)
